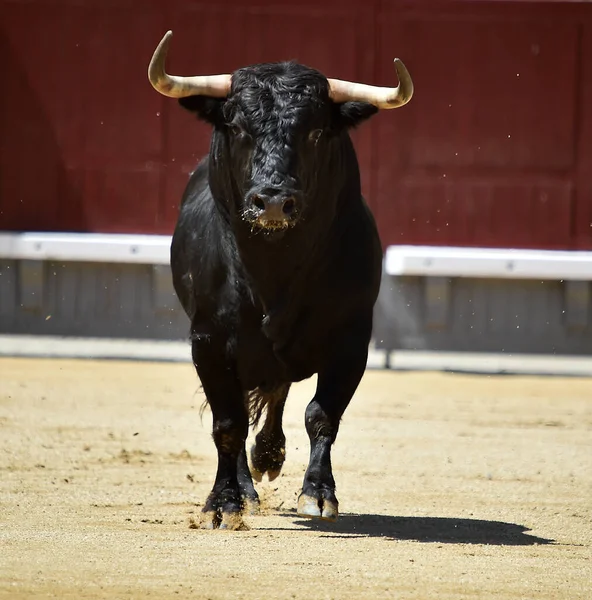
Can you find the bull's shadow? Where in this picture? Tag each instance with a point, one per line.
(426, 529)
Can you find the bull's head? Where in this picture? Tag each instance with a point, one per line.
(276, 127)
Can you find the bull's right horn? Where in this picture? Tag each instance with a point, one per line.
(173, 86)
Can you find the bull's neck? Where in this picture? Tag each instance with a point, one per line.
(279, 268)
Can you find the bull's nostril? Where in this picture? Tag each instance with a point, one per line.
(258, 202)
(289, 206)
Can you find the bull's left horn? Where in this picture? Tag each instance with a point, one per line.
(173, 86)
(382, 97)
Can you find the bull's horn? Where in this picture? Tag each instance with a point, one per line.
(382, 97)
(173, 86)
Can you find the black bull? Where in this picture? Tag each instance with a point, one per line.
(277, 261)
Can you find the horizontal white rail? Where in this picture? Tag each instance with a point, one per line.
(445, 261)
(86, 247)
(440, 261)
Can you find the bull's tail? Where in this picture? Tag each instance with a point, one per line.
(262, 399)
(258, 401)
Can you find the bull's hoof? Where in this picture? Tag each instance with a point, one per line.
(271, 474)
(256, 475)
(230, 521)
(251, 506)
(317, 508)
(233, 522)
(267, 456)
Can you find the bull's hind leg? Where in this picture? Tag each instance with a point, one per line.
(269, 450)
(224, 505)
(336, 385)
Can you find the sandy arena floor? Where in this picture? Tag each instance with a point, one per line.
(450, 486)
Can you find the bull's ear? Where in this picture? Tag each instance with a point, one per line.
(206, 108)
(351, 114)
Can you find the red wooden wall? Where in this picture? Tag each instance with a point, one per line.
(496, 147)
(494, 150)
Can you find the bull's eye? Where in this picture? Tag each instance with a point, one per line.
(315, 135)
(236, 131)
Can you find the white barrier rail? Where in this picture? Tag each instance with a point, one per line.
(445, 261)
(86, 247)
(439, 261)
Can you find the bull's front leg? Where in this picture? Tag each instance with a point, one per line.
(336, 386)
(233, 486)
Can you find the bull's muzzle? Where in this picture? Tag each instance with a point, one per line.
(272, 209)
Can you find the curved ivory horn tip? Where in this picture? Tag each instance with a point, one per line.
(399, 64)
(155, 66)
(164, 42)
(166, 38)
